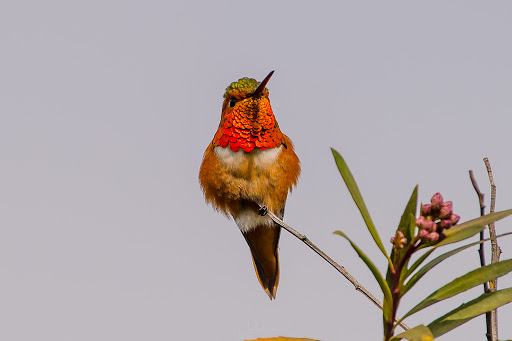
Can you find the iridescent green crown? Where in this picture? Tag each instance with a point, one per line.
(243, 85)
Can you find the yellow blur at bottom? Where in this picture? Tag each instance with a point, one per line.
(283, 338)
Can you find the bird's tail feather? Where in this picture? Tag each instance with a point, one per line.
(263, 242)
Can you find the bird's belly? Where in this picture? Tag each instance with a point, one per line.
(250, 177)
(248, 218)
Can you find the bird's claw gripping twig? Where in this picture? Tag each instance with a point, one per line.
(263, 210)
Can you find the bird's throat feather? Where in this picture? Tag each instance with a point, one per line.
(251, 124)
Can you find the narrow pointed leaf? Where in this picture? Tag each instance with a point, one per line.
(417, 276)
(463, 283)
(412, 225)
(464, 313)
(418, 333)
(407, 220)
(472, 227)
(409, 215)
(382, 283)
(358, 199)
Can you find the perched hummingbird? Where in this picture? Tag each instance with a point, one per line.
(249, 163)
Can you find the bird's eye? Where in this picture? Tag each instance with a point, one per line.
(232, 102)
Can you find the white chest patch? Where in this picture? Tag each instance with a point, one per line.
(260, 158)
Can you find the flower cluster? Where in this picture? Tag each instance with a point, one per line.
(398, 240)
(434, 218)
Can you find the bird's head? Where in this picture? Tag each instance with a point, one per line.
(247, 120)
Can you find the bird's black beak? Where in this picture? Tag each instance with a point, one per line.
(262, 85)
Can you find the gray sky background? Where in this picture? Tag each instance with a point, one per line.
(106, 108)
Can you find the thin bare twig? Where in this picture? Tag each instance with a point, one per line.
(481, 253)
(491, 317)
(329, 260)
(495, 250)
(482, 213)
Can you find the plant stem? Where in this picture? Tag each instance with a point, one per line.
(396, 274)
(495, 251)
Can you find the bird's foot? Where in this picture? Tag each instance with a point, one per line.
(263, 210)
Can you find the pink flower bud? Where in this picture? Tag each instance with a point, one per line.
(434, 236)
(437, 201)
(423, 234)
(430, 226)
(426, 209)
(398, 240)
(420, 222)
(446, 210)
(445, 224)
(454, 219)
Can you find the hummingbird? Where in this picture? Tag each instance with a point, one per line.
(250, 163)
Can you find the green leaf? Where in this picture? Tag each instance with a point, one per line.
(407, 221)
(382, 283)
(470, 228)
(418, 333)
(358, 199)
(464, 313)
(409, 216)
(417, 276)
(463, 283)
